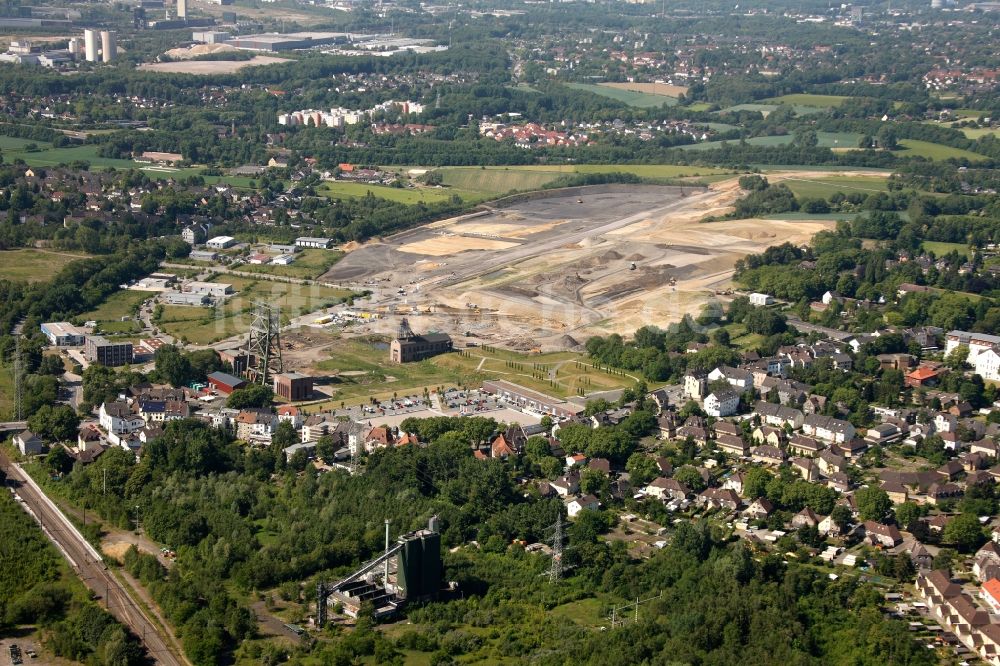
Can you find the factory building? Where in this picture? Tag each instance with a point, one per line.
(63, 334)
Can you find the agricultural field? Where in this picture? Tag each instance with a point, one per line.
(816, 188)
(207, 325)
(936, 151)
(34, 265)
(806, 99)
(641, 100)
(309, 264)
(409, 195)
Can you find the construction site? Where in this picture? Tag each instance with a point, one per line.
(547, 273)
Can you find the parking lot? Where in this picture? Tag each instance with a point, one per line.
(451, 402)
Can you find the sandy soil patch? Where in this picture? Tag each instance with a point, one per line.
(504, 230)
(209, 66)
(444, 246)
(650, 88)
(116, 550)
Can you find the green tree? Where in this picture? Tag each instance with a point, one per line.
(873, 503)
(254, 395)
(964, 532)
(641, 468)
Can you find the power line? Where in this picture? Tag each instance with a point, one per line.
(556, 567)
(620, 618)
(18, 379)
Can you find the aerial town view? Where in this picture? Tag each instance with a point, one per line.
(364, 332)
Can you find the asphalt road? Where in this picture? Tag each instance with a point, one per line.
(86, 563)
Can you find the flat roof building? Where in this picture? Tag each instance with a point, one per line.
(309, 241)
(63, 334)
(102, 351)
(220, 242)
(181, 298)
(213, 289)
(293, 386)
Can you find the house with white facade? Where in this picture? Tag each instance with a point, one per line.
(722, 403)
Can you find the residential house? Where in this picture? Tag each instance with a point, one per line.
(986, 563)
(779, 415)
(884, 433)
(829, 527)
(920, 556)
(695, 384)
(291, 414)
(806, 468)
(255, 425)
(665, 489)
(119, 418)
(732, 445)
(768, 455)
(990, 593)
(829, 462)
(827, 428)
(722, 403)
(581, 503)
(739, 378)
(719, 498)
(896, 491)
(28, 443)
(887, 536)
(939, 492)
(768, 435)
(734, 482)
(805, 518)
(759, 509)
(805, 446)
(568, 484)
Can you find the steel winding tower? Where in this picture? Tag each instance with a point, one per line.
(264, 344)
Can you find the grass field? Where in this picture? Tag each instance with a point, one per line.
(823, 188)
(936, 151)
(500, 180)
(6, 392)
(207, 325)
(940, 249)
(309, 264)
(629, 97)
(826, 140)
(468, 367)
(497, 180)
(120, 304)
(979, 132)
(34, 265)
(806, 99)
(345, 190)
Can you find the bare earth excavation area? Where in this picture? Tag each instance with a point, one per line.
(549, 273)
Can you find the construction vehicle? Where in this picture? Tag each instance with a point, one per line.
(631, 266)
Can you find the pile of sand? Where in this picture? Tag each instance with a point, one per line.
(612, 255)
(198, 50)
(568, 342)
(635, 257)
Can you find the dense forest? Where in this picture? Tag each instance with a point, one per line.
(37, 587)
